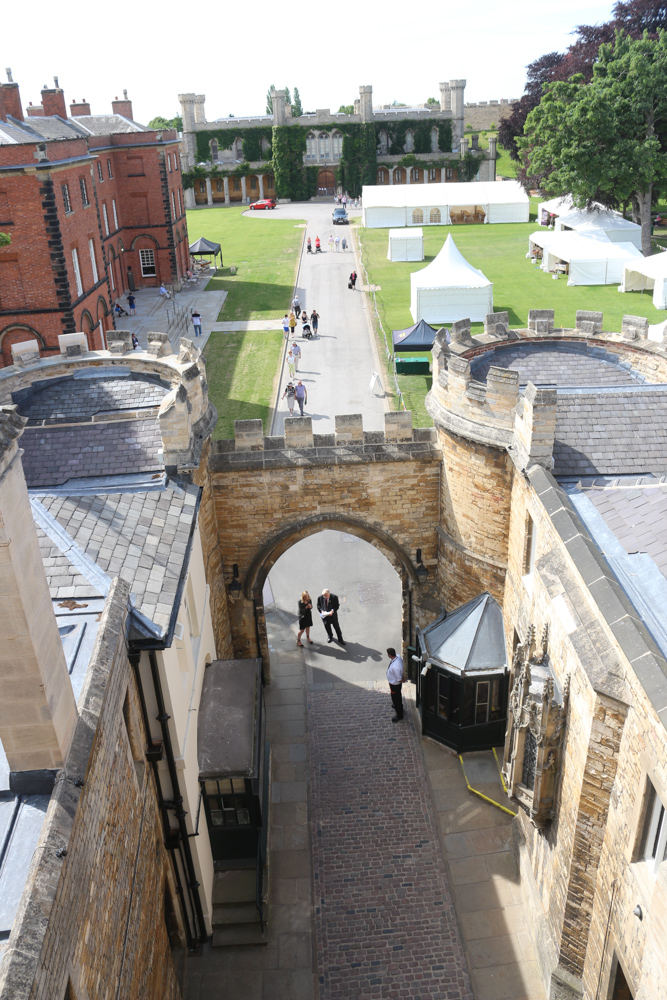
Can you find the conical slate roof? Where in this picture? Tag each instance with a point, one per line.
(470, 639)
(449, 269)
(419, 337)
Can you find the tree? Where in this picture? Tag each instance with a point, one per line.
(5, 239)
(163, 123)
(604, 140)
(397, 104)
(288, 98)
(431, 101)
(297, 109)
(269, 100)
(469, 165)
(346, 109)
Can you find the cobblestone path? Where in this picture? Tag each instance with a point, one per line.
(384, 917)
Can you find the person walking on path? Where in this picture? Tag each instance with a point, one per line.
(292, 323)
(131, 301)
(290, 362)
(296, 306)
(331, 243)
(296, 351)
(343, 243)
(196, 322)
(353, 279)
(290, 392)
(395, 679)
(337, 242)
(328, 605)
(305, 618)
(286, 326)
(301, 396)
(314, 320)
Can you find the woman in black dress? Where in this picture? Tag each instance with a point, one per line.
(305, 618)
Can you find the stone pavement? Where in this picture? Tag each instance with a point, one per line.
(154, 313)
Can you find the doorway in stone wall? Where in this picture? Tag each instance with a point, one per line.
(371, 610)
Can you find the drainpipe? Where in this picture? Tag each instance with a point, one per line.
(163, 719)
(134, 659)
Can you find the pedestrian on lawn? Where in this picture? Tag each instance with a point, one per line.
(290, 362)
(331, 243)
(296, 351)
(328, 605)
(290, 393)
(395, 679)
(301, 396)
(196, 322)
(305, 617)
(314, 320)
(131, 301)
(292, 323)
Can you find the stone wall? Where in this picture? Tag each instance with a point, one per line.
(93, 916)
(485, 115)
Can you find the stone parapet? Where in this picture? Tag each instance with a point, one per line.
(350, 444)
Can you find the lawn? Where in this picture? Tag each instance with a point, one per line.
(265, 253)
(242, 371)
(500, 252)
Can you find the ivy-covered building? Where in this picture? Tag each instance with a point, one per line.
(320, 153)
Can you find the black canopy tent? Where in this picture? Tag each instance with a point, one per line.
(205, 248)
(419, 337)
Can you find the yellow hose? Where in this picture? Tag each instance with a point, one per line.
(481, 794)
(500, 772)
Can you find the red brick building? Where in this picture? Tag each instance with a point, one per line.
(94, 207)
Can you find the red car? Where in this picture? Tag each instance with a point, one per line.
(264, 203)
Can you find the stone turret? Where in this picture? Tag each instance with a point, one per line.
(278, 101)
(457, 91)
(366, 103)
(445, 97)
(193, 113)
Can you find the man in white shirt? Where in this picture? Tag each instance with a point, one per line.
(296, 351)
(395, 678)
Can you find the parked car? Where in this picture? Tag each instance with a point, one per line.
(264, 203)
(340, 217)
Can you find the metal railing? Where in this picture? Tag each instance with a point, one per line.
(390, 355)
(178, 320)
(263, 839)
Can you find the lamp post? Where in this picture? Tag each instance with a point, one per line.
(234, 589)
(422, 572)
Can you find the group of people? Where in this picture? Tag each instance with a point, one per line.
(342, 199)
(297, 394)
(328, 605)
(335, 242)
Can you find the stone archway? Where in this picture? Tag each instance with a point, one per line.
(271, 551)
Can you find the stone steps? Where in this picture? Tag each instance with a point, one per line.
(235, 916)
(239, 935)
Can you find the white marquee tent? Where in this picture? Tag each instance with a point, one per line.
(591, 261)
(597, 222)
(647, 273)
(449, 289)
(406, 244)
(393, 205)
(556, 206)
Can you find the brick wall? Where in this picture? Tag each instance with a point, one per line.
(97, 916)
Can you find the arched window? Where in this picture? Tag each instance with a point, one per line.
(434, 140)
(415, 175)
(238, 149)
(383, 176)
(417, 217)
(324, 146)
(384, 143)
(337, 145)
(398, 175)
(435, 218)
(214, 150)
(311, 146)
(409, 141)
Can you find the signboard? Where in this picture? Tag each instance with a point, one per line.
(374, 378)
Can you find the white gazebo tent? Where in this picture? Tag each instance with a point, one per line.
(555, 206)
(591, 261)
(406, 244)
(646, 274)
(596, 222)
(394, 205)
(449, 289)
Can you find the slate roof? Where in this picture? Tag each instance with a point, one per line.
(611, 432)
(11, 134)
(108, 124)
(637, 514)
(470, 639)
(141, 537)
(50, 127)
(557, 365)
(54, 455)
(73, 399)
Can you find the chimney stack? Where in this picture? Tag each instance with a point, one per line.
(80, 108)
(11, 97)
(53, 100)
(123, 107)
(35, 110)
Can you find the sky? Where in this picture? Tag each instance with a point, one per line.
(403, 51)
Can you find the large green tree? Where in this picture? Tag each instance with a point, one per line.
(297, 108)
(604, 140)
(269, 100)
(163, 123)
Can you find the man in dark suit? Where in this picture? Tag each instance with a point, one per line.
(328, 605)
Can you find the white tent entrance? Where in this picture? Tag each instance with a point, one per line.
(585, 261)
(406, 244)
(449, 289)
(596, 223)
(647, 274)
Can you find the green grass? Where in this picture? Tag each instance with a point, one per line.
(265, 253)
(241, 369)
(500, 252)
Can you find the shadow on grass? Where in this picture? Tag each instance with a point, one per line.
(241, 370)
(239, 409)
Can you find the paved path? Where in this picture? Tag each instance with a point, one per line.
(155, 313)
(336, 366)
